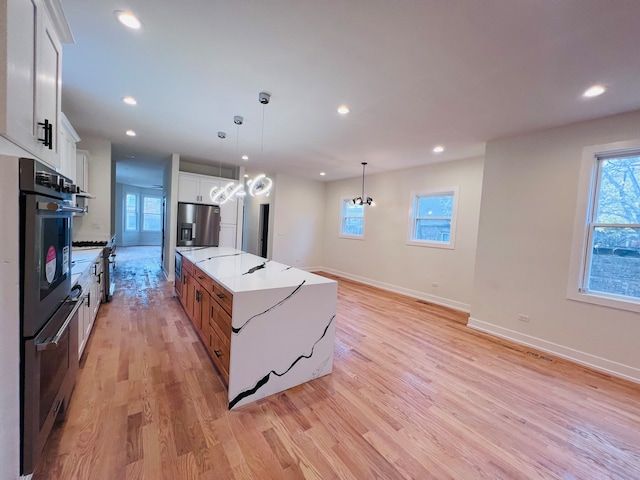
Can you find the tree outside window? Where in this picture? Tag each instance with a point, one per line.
(432, 219)
(613, 256)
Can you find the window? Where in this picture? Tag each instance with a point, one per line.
(432, 219)
(131, 213)
(606, 258)
(146, 208)
(151, 218)
(351, 220)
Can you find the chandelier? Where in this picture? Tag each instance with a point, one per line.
(362, 200)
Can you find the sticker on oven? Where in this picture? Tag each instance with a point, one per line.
(65, 259)
(50, 265)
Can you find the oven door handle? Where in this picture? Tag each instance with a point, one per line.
(59, 207)
(52, 342)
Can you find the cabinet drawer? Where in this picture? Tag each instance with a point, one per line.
(187, 266)
(223, 297)
(220, 320)
(219, 350)
(205, 280)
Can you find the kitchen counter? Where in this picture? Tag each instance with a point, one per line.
(239, 271)
(81, 260)
(282, 320)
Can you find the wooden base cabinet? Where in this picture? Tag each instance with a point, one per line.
(266, 326)
(202, 299)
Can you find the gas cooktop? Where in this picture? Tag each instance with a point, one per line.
(95, 243)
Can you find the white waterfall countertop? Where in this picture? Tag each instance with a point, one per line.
(283, 321)
(239, 271)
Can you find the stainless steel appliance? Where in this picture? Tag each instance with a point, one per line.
(45, 232)
(48, 307)
(198, 225)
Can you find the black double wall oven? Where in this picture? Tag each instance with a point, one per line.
(48, 304)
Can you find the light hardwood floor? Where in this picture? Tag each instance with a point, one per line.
(414, 394)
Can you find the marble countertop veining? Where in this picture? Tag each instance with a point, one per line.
(239, 271)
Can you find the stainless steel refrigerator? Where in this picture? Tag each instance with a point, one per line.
(198, 225)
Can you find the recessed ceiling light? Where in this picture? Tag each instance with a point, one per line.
(128, 19)
(594, 91)
(245, 157)
(246, 175)
(438, 149)
(131, 133)
(322, 174)
(343, 109)
(130, 101)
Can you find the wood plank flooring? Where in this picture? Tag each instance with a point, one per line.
(415, 394)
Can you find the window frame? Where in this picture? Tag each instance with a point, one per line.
(585, 224)
(142, 213)
(125, 215)
(414, 198)
(343, 202)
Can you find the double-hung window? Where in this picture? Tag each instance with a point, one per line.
(142, 213)
(131, 212)
(351, 220)
(151, 214)
(606, 262)
(432, 217)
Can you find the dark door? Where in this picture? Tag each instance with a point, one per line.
(264, 229)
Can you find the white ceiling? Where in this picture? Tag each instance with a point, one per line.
(416, 73)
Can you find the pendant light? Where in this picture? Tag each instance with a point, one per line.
(223, 194)
(362, 200)
(261, 185)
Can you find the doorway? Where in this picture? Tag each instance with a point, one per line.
(264, 229)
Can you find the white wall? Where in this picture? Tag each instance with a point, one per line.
(524, 245)
(298, 222)
(170, 183)
(383, 258)
(97, 224)
(9, 320)
(127, 239)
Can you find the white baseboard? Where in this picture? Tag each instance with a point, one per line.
(445, 302)
(591, 361)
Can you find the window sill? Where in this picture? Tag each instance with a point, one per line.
(604, 300)
(351, 237)
(417, 243)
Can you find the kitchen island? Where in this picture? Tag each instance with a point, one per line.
(266, 326)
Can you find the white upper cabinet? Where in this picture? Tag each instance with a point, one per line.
(82, 170)
(68, 140)
(194, 188)
(30, 116)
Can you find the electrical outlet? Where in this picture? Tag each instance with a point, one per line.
(523, 318)
(435, 284)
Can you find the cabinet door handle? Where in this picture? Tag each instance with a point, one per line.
(47, 141)
(197, 295)
(220, 296)
(218, 353)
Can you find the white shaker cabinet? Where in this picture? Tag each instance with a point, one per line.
(82, 170)
(30, 115)
(194, 188)
(68, 140)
